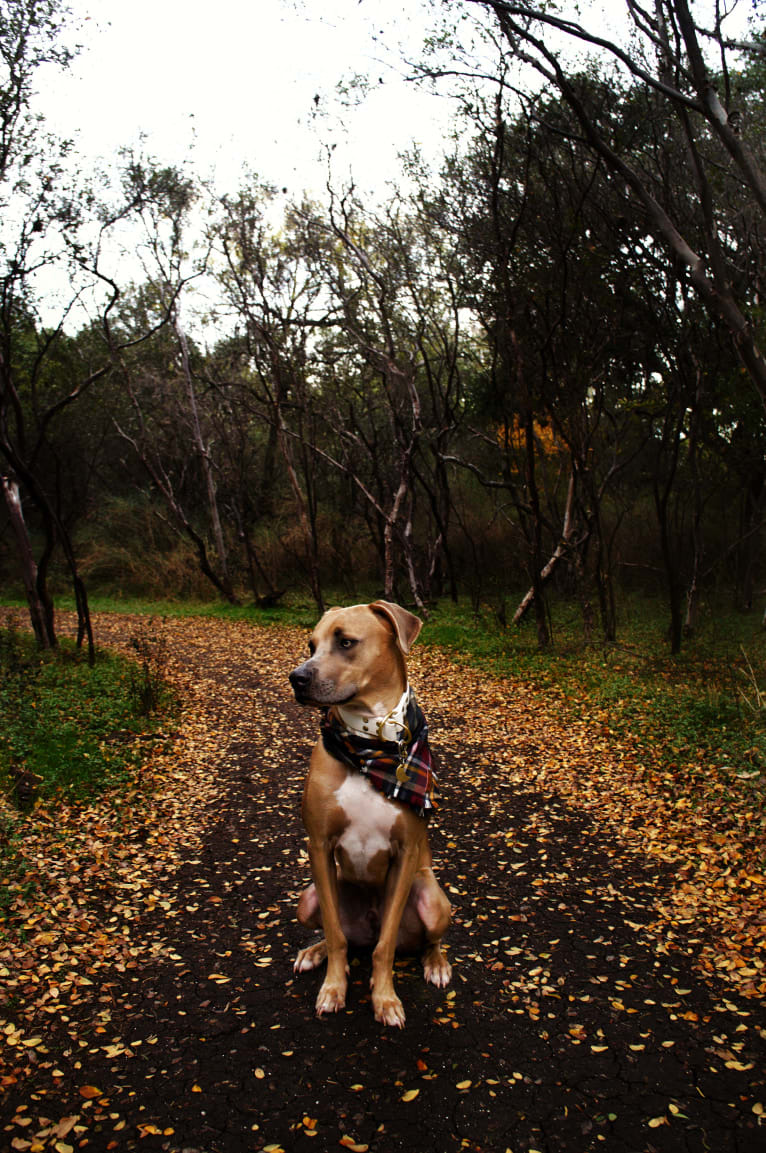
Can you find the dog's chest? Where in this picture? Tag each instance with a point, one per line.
(364, 847)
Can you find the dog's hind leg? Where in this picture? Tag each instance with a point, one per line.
(311, 957)
(434, 911)
(310, 916)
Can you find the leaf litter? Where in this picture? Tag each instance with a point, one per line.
(602, 916)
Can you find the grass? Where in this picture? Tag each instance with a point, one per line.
(69, 727)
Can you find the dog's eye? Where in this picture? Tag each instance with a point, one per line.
(312, 648)
(346, 643)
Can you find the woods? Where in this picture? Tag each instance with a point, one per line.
(539, 366)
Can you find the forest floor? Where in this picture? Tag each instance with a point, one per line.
(608, 942)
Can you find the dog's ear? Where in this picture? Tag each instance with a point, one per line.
(406, 624)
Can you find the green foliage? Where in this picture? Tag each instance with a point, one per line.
(68, 726)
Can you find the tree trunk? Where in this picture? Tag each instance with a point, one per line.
(673, 584)
(547, 572)
(309, 534)
(38, 614)
(692, 591)
(207, 467)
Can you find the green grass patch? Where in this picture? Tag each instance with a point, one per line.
(69, 727)
(293, 609)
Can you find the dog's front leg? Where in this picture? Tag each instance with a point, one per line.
(385, 1002)
(332, 995)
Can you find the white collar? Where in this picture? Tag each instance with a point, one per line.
(391, 726)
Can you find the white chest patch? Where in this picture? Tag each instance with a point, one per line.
(371, 818)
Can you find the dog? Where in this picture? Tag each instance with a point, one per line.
(365, 802)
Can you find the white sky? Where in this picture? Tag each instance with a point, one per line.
(231, 84)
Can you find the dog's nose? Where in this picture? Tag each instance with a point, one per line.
(300, 679)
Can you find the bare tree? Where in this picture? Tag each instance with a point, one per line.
(277, 301)
(396, 319)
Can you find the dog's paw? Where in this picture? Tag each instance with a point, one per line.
(331, 998)
(310, 958)
(388, 1009)
(436, 968)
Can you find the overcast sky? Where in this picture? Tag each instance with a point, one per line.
(233, 83)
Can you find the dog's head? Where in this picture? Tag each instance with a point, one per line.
(356, 654)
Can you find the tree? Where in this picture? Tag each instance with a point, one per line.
(277, 299)
(541, 239)
(29, 205)
(666, 53)
(392, 371)
(163, 386)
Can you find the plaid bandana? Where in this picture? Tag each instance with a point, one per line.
(401, 770)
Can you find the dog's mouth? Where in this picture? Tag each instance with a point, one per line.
(313, 702)
(307, 695)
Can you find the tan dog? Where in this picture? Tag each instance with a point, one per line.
(370, 859)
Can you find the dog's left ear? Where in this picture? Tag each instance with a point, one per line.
(406, 624)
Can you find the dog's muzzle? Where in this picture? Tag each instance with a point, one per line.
(311, 688)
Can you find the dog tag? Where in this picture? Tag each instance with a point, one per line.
(402, 775)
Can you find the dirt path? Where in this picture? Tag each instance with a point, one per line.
(149, 1002)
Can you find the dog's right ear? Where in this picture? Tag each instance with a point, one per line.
(406, 625)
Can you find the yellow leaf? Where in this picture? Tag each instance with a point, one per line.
(410, 1095)
(464, 1085)
(196, 1089)
(66, 1125)
(655, 1122)
(89, 1092)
